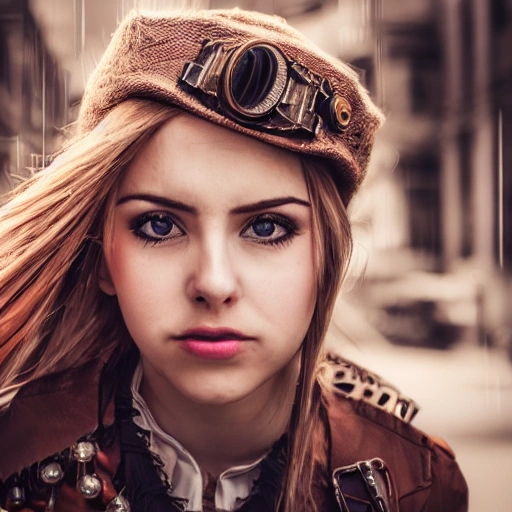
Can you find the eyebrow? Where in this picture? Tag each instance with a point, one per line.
(163, 201)
(270, 203)
(248, 208)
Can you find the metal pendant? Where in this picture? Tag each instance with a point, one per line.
(84, 451)
(16, 496)
(118, 504)
(89, 486)
(51, 473)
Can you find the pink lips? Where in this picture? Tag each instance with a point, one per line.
(212, 343)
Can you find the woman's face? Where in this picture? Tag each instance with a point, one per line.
(211, 259)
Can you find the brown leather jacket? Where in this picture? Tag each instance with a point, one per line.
(51, 414)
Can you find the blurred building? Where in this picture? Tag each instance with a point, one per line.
(436, 213)
(33, 97)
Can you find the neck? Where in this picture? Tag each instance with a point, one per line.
(220, 436)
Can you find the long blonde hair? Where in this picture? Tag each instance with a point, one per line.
(54, 316)
(333, 247)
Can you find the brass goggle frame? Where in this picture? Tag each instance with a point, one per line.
(257, 86)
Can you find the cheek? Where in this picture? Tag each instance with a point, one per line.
(289, 295)
(299, 289)
(145, 287)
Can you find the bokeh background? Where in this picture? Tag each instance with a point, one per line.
(427, 303)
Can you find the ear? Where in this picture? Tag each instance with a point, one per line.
(104, 279)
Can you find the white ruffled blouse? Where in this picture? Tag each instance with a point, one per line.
(186, 478)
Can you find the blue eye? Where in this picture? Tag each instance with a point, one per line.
(161, 226)
(156, 227)
(263, 228)
(270, 229)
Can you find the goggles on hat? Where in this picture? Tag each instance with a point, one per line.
(364, 487)
(256, 85)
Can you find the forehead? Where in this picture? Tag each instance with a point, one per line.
(190, 154)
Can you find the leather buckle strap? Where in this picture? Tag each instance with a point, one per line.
(365, 487)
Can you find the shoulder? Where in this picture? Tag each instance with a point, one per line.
(47, 434)
(47, 416)
(370, 419)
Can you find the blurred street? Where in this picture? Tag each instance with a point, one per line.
(465, 395)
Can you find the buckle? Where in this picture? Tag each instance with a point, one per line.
(365, 487)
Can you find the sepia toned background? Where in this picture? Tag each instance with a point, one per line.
(428, 302)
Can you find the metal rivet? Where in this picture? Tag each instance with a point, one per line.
(342, 112)
(89, 486)
(84, 451)
(51, 473)
(16, 496)
(118, 504)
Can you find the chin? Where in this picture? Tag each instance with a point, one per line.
(216, 396)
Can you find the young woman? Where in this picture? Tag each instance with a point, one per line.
(166, 283)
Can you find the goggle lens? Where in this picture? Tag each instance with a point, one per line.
(253, 76)
(254, 80)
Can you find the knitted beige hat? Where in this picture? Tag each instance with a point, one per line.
(183, 59)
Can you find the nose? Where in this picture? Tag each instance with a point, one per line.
(213, 280)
